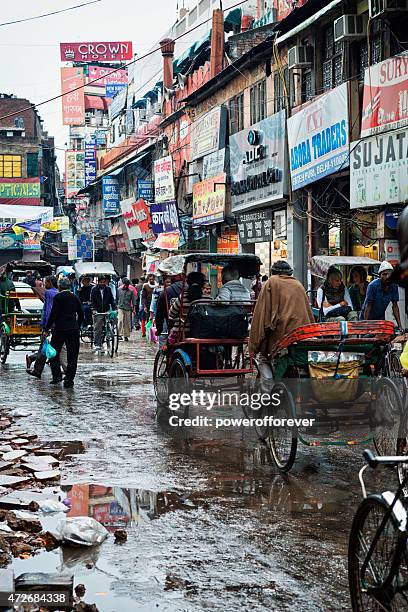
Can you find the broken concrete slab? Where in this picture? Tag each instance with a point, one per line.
(44, 459)
(14, 455)
(48, 475)
(5, 465)
(7, 581)
(5, 448)
(10, 481)
(22, 500)
(20, 441)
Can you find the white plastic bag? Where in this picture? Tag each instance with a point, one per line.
(50, 505)
(82, 530)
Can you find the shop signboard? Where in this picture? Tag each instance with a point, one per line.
(72, 249)
(385, 97)
(10, 241)
(101, 76)
(132, 226)
(318, 138)
(207, 134)
(73, 98)
(66, 233)
(164, 217)
(84, 246)
(214, 164)
(118, 103)
(111, 89)
(167, 242)
(163, 179)
(74, 172)
(255, 226)
(143, 219)
(228, 242)
(101, 137)
(209, 201)
(379, 170)
(90, 160)
(110, 196)
(285, 7)
(145, 190)
(258, 164)
(96, 51)
(392, 251)
(31, 242)
(20, 191)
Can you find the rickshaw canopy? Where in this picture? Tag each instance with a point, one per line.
(42, 267)
(94, 268)
(248, 265)
(321, 263)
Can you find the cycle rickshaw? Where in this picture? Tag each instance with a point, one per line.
(208, 357)
(95, 270)
(336, 372)
(21, 308)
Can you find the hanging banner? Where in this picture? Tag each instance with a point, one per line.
(145, 190)
(164, 217)
(209, 201)
(20, 191)
(74, 172)
(90, 160)
(163, 179)
(132, 226)
(258, 164)
(14, 213)
(101, 76)
(255, 226)
(96, 51)
(10, 241)
(31, 242)
(318, 137)
(207, 134)
(167, 242)
(379, 170)
(110, 196)
(385, 97)
(73, 98)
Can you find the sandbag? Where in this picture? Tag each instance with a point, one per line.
(208, 321)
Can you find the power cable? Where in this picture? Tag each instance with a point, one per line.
(69, 8)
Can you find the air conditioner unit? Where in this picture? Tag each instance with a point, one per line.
(378, 7)
(348, 27)
(300, 56)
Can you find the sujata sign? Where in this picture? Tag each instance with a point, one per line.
(96, 51)
(379, 170)
(318, 138)
(20, 191)
(101, 76)
(385, 99)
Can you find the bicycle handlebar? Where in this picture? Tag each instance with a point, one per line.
(374, 461)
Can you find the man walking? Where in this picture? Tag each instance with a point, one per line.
(39, 358)
(102, 302)
(126, 305)
(65, 321)
(381, 292)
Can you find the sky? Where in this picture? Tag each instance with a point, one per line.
(29, 52)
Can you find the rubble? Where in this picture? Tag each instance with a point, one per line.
(120, 536)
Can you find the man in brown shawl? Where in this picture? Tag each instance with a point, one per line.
(281, 307)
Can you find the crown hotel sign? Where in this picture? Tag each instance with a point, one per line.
(96, 51)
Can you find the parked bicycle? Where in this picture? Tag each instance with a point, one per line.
(110, 332)
(378, 551)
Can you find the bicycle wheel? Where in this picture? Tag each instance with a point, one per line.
(387, 414)
(282, 440)
(115, 330)
(379, 570)
(160, 378)
(109, 338)
(402, 447)
(87, 335)
(395, 372)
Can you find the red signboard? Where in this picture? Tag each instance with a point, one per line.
(96, 51)
(106, 75)
(73, 99)
(142, 217)
(286, 6)
(385, 99)
(22, 191)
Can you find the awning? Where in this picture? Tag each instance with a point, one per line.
(232, 19)
(307, 22)
(96, 102)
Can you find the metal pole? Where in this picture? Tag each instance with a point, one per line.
(309, 224)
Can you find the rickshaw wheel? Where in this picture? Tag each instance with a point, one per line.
(160, 378)
(282, 441)
(402, 447)
(387, 417)
(4, 346)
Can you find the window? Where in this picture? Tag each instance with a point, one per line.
(10, 166)
(258, 102)
(32, 165)
(279, 95)
(333, 55)
(377, 49)
(236, 114)
(307, 86)
(19, 122)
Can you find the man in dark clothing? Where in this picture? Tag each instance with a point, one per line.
(102, 302)
(164, 303)
(84, 294)
(29, 278)
(65, 321)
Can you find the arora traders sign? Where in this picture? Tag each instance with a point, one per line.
(379, 170)
(96, 51)
(318, 138)
(385, 99)
(257, 164)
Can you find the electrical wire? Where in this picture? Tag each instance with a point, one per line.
(69, 8)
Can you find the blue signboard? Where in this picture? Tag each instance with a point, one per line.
(101, 137)
(145, 190)
(85, 246)
(111, 89)
(118, 103)
(110, 196)
(90, 160)
(164, 217)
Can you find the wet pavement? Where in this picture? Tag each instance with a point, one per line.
(211, 524)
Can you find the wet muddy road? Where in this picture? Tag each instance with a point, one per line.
(210, 523)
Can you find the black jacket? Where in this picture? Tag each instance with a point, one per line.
(105, 304)
(162, 314)
(66, 313)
